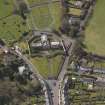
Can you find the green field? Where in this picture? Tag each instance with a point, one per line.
(56, 10)
(47, 67)
(42, 16)
(12, 28)
(6, 7)
(95, 32)
(46, 16)
(31, 2)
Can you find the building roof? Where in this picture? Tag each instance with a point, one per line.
(44, 38)
(55, 43)
(21, 69)
(78, 3)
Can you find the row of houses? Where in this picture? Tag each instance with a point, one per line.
(45, 44)
(76, 12)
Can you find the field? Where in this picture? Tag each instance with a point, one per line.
(95, 32)
(74, 11)
(6, 8)
(12, 28)
(47, 67)
(44, 16)
(56, 10)
(47, 15)
(36, 1)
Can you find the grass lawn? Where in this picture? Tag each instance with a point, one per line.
(23, 45)
(56, 10)
(42, 17)
(47, 67)
(12, 28)
(75, 11)
(6, 7)
(95, 32)
(31, 2)
(47, 15)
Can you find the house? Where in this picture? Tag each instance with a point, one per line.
(78, 4)
(21, 69)
(55, 44)
(45, 44)
(44, 38)
(74, 21)
(90, 86)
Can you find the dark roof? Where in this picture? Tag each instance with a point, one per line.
(2, 42)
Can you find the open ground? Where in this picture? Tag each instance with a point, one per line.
(95, 32)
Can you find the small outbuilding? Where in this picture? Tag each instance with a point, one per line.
(21, 69)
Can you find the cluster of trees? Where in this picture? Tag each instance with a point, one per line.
(9, 66)
(21, 8)
(75, 28)
(16, 89)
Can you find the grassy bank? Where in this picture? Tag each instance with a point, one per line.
(47, 67)
(95, 32)
(12, 28)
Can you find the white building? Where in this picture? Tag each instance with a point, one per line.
(55, 43)
(78, 3)
(44, 40)
(21, 69)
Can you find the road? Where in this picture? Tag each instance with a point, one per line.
(55, 85)
(54, 93)
(41, 79)
(52, 88)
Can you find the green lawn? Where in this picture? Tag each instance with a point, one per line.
(46, 16)
(6, 7)
(56, 10)
(75, 11)
(31, 2)
(12, 28)
(95, 32)
(42, 17)
(47, 67)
